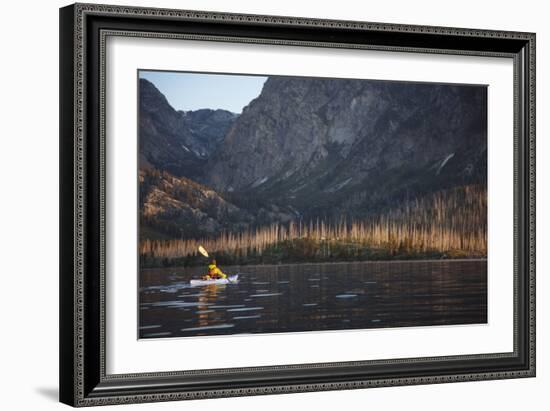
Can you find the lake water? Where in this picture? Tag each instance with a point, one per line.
(313, 297)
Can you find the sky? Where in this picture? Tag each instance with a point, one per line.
(193, 91)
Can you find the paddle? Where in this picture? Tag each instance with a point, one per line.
(203, 251)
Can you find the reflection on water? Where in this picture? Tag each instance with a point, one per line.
(313, 297)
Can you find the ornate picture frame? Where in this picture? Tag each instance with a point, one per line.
(84, 30)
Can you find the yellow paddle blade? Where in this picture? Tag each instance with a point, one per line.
(203, 251)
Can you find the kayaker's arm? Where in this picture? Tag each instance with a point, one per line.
(222, 274)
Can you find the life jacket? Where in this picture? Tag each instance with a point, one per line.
(214, 271)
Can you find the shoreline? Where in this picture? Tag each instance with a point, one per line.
(475, 259)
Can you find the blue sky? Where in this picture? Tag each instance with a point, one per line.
(193, 91)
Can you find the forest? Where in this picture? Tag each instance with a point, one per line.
(446, 224)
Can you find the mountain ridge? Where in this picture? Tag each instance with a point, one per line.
(312, 140)
(178, 141)
(311, 148)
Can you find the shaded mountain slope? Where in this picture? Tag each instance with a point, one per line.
(306, 148)
(177, 141)
(313, 143)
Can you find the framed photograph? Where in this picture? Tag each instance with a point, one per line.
(260, 204)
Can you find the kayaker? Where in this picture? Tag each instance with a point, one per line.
(214, 273)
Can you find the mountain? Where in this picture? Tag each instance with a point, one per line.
(328, 146)
(306, 148)
(178, 141)
(173, 207)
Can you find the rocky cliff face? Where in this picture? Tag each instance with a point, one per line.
(308, 148)
(177, 141)
(315, 144)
